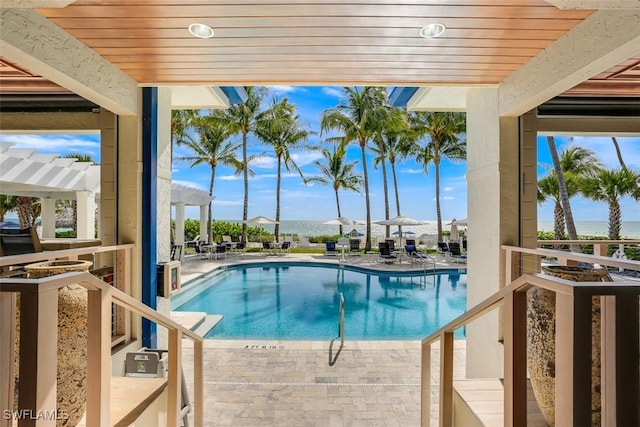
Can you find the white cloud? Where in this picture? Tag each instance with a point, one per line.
(217, 202)
(192, 184)
(448, 189)
(229, 177)
(447, 198)
(263, 162)
(412, 171)
(604, 148)
(306, 158)
(333, 91)
(63, 144)
(279, 90)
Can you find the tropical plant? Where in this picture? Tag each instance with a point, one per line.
(618, 152)
(210, 146)
(7, 204)
(611, 185)
(444, 138)
(335, 171)
(181, 123)
(358, 118)
(28, 210)
(576, 163)
(244, 116)
(281, 128)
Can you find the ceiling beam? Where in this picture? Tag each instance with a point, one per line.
(595, 4)
(33, 4)
(29, 39)
(601, 41)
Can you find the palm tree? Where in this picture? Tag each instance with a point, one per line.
(444, 140)
(281, 128)
(358, 118)
(210, 146)
(337, 173)
(576, 163)
(180, 124)
(28, 210)
(7, 204)
(244, 116)
(610, 185)
(388, 140)
(618, 152)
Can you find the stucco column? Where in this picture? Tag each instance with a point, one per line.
(164, 175)
(48, 216)
(493, 218)
(203, 222)
(86, 221)
(180, 224)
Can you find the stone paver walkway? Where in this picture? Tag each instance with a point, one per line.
(371, 383)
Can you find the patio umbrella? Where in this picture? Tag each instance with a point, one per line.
(455, 235)
(400, 221)
(460, 222)
(261, 220)
(340, 221)
(404, 233)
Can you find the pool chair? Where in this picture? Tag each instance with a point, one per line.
(192, 243)
(413, 254)
(17, 241)
(354, 247)
(284, 247)
(456, 255)
(220, 251)
(410, 242)
(202, 250)
(385, 253)
(267, 247)
(443, 248)
(330, 248)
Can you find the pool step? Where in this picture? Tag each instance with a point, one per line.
(207, 324)
(188, 319)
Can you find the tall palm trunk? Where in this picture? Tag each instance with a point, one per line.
(558, 221)
(367, 245)
(385, 186)
(338, 204)
(614, 220)
(23, 209)
(245, 174)
(436, 163)
(618, 152)
(395, 187)
(278, 180)
(210, 219)
(564, 196)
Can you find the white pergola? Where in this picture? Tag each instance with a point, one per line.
(49, 177)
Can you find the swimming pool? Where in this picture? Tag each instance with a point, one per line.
(300, 301)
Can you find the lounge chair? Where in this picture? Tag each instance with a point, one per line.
(267, 246)
(415, 255)
(221, 250)
(354, 247)
(454, 250)
(192, 243)
(303, 242)
(202, 250)
(17, 241)
(284, 248)
(410, 242)
(391, 243)
(443, 248)
(330, 248)
(385, 253)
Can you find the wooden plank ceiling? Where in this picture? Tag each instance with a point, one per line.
(316, 41)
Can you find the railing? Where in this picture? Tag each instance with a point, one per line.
(38, 330)
(619, 333)
(116, 257)
(341, 320)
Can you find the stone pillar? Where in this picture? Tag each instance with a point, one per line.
(493, 220)
(48, 216)
(107, 232)
(203, 223)
(86, 222)
(180, 227)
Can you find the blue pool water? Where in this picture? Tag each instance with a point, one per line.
(287, 301)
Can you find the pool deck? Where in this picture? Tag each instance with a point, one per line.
(310, 383)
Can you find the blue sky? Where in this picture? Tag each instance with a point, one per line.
(317, 202)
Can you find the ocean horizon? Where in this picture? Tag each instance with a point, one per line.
(630, 229)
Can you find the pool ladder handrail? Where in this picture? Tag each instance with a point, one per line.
(341, 320)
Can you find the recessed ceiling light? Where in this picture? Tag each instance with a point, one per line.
(201, 30)
(432, 30)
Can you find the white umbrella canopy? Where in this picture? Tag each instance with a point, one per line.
(461, 222)
(340, 221)
(455, 235)
(261, 220)
(400, 221)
